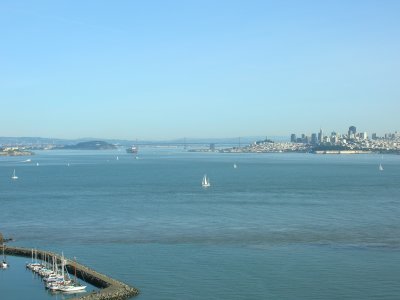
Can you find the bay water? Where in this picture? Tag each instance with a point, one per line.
(279, 226)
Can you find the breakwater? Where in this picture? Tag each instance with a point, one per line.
(109, 288)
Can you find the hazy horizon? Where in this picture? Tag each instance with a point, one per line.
(188, 139)
(163, 70)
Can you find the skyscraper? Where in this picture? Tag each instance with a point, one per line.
(352, 132)
(314, 138)
(320, 136)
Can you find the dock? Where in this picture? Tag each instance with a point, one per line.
(109, 288)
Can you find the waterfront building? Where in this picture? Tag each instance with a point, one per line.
(326, 139)
(293, 138)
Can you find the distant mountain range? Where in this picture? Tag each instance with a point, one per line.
(55, 141)
(27, 141)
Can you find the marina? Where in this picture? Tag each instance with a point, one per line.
(107, 288)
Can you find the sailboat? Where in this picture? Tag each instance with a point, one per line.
(14, 176)
(3, 264)
(75, 287)
(234, 166)
(380, 167)
(61, 280)
(206, 181)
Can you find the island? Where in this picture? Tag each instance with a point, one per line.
(14, 151)
(91, 145)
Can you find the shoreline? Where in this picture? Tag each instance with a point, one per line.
(109, 288)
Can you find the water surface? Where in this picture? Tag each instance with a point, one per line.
(279, 226)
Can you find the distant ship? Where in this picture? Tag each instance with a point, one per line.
(132, 149)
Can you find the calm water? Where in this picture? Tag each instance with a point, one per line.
(279, 226)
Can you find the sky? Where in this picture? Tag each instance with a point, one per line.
(198, 69)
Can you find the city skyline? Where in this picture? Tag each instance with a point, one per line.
(167, 70)
(300, 137)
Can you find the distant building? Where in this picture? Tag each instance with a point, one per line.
(320, 136)
(352, 132)
(212, 147)
(363, 136)
(293, 138)
(314, 139)
(374, 137)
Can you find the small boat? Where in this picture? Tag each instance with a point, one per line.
(380, 167)
(206, 181)
(3, 263)
(72, 288)
(14, 176)
(234, 166)
(37, 164)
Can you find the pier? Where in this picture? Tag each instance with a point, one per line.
(109, 288)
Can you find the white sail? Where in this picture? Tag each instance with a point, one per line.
(205, 182)
(3, 264)
(380, 167)
(14, 176)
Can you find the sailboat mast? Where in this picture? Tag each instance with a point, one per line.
(62, 264)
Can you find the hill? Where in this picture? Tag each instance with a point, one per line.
(91, 145)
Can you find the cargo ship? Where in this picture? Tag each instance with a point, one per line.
(133, 149)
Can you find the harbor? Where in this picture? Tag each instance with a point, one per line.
(107, 288)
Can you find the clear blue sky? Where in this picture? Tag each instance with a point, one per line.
(172, 69)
